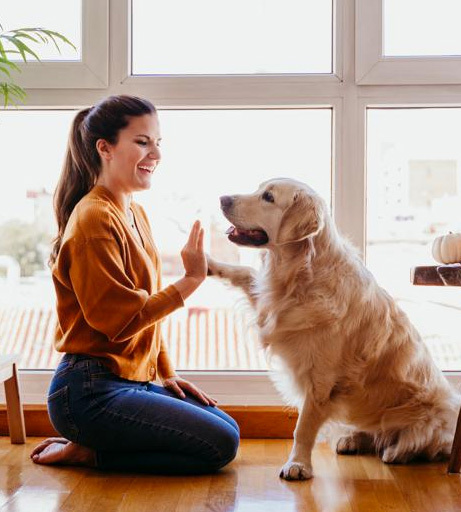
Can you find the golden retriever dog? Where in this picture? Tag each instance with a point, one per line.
(346, 351)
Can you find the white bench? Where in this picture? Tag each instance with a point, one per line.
(15, 414)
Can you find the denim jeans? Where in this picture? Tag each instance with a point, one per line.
(137, 426)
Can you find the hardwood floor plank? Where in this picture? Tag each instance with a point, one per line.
(250, 484)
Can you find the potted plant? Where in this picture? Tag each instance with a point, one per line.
(16, 43)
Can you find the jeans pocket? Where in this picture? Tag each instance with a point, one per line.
(60, 415)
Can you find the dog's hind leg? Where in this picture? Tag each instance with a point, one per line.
(357, 442)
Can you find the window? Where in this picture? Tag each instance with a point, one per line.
(231, 151)
(30, 165)
(231, 37)
(65, 18)
(414, 195)
(433, 25)
(411, 42)
(84, 22)
(345, 138)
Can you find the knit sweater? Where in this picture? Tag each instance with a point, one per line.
(110, 299)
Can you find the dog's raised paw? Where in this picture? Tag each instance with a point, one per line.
(211, 264)
(296, 471)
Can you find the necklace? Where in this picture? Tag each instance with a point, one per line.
(131, 219)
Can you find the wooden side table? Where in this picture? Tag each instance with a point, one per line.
(9, 376)
(443, 275)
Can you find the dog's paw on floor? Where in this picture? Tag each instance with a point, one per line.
(296, 471)
(347, 445)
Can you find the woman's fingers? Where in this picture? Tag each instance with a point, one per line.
(200, 240)
(173, 386)
(199, 394)
(178, 386)
(193, 236)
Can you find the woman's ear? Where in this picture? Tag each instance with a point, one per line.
(104, 149)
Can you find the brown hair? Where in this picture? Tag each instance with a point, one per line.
(82, 163)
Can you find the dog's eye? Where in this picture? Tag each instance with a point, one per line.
(267, 196)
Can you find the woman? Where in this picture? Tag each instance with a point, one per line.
(106, 272)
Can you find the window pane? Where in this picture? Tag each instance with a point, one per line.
(238, 37)
(205, 154)
(414, 166)
(63, 17)
(422, 27)
(33, 146)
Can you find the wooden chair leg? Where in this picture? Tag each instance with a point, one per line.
(14, 409)
(455, 459)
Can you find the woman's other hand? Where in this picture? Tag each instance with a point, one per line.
(178, 386)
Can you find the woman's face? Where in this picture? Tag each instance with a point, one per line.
(129, 164)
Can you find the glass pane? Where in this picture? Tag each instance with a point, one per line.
(229, 152)
(238, 37)
(414, 195)
(422, 27)
(63, 17)
(32, 151)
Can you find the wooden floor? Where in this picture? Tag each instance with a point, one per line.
(249, 484)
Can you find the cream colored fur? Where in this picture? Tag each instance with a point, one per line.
(347, 352)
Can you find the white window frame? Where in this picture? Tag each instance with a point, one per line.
(92, 71)
(374, 68)
(203, 90)
(341, 91)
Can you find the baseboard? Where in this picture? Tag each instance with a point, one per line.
(267, 422)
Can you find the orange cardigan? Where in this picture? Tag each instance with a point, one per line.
(108, 288)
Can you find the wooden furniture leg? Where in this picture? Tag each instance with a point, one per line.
(455, 459)
(9, 376)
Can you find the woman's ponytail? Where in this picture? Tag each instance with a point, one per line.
(78, 177)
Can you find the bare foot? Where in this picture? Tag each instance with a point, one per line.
(58, 450)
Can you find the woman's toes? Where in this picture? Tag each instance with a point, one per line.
(40, 447)
(65, 453)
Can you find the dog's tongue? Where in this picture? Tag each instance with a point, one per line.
(247, 236)
(248, 232)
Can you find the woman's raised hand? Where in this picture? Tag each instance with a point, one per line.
(193, 256)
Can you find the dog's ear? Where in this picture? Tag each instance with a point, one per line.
(303, 218)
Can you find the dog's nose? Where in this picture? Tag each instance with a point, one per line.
(226, 202)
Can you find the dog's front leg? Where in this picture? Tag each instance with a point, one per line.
(239, 276)
(299, 464)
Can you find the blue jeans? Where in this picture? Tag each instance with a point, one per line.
(137, 426)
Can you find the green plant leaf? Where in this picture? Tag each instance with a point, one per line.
(12, 93)
(23, 48)
(19, 33)
(7, 62)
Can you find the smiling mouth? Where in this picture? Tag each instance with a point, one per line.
(146, 169)
(254, 237)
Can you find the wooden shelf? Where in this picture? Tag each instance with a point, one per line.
(437, 275)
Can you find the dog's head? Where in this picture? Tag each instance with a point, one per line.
(281, 211)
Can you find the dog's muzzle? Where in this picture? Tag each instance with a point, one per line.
(226, 203)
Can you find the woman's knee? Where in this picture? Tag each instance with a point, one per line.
(227, 445)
